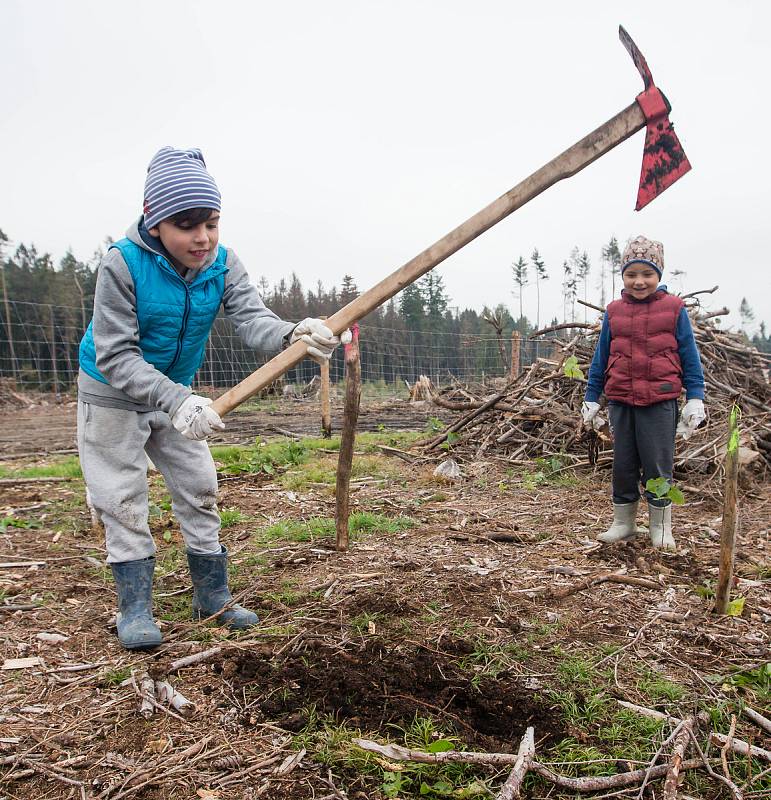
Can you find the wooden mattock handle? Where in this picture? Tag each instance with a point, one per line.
(573, 160)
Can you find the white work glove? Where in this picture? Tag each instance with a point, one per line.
(589, 411)
(692, 416)
(320, 340)
(591, 416)
(195, 420)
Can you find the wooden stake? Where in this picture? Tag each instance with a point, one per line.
(347, 437)
(515, 342)
(326, 411)
(728, 531)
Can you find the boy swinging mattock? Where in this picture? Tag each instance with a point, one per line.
(158, 292)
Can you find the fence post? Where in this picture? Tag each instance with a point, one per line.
(515, 342)
(54, 365)
(8, 325)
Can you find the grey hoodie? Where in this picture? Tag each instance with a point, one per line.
(135, 384)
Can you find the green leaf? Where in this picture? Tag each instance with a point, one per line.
(15, 522)
(676, 496)
(268, 468)
(167, 536)
(571, 368)
(393, 783)
(441, 746)
(658, 486)
(735, 607)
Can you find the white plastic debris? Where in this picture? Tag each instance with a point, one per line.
(448, 469)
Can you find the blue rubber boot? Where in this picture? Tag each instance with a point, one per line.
(209, 573)
(134, 582)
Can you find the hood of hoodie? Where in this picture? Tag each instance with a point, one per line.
(139, 235)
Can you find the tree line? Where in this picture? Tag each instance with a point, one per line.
(47, 306)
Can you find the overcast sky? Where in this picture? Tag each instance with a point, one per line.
(346, 137)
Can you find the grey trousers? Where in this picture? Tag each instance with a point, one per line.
(112, 443)
(643, 447)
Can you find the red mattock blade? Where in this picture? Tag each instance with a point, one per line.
(637, 57)
(664, 160)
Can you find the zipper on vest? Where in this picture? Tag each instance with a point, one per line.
(183, 329)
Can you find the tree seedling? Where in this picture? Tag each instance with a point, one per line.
(664, 490)
(571, 368)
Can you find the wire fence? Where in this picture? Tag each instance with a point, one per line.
(39, 369)
(39, 351)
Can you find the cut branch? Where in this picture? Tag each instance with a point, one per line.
(511, 789)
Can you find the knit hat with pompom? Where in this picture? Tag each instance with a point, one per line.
(643, 251)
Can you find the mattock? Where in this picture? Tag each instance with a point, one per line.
(663, 163)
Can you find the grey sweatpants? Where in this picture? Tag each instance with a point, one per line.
(643, 447)
(112, 443)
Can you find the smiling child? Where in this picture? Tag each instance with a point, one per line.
(645, 357)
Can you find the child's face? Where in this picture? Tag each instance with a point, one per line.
(640, 280)
(189, 245)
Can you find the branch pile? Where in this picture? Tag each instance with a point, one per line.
(537, 414)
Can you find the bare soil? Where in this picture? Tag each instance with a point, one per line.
(459, 620)
(49, 427)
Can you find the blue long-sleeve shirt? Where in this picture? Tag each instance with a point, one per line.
(693, 375)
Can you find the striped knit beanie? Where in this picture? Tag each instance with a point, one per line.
(643, 251)
(177, 180)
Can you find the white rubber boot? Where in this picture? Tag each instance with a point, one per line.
(624, 525)
(661, 527)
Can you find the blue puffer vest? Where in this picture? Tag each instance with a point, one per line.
(174, 316)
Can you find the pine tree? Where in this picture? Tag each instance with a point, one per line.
(746, 313)
(582, 274)
(519, 269)
(678, 274)
(611, 256)
(411, 306)
(570, 284)
(540, 275)
(435, 299)
(348, 291)
(761, 340)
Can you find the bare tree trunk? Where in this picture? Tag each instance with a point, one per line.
(497, 322)
(515, 343)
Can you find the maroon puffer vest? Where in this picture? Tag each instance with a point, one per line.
(644, 363)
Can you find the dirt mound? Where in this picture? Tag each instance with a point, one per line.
(11, 396)
(384, 685)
